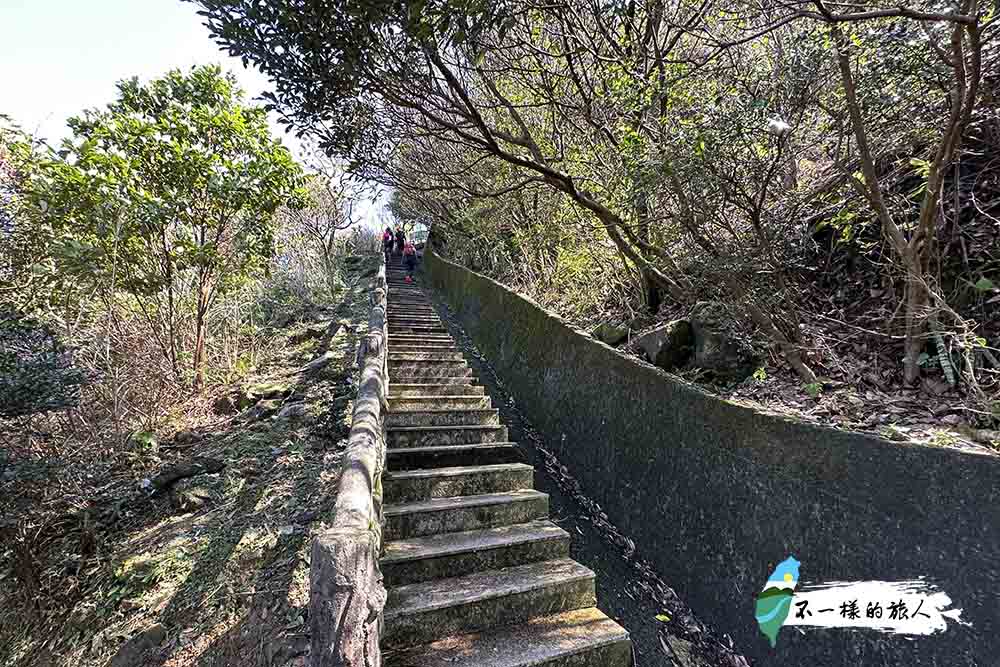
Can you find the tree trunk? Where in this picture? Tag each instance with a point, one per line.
(650, 291)
(200, 334)
(917, 301)
(328, 267)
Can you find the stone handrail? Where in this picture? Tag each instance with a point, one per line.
(346, 594)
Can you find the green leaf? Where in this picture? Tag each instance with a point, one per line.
(984, 284)
(662, 618)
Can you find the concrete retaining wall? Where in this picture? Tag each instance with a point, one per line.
(716, 494)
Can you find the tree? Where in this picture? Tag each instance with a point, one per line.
(168, 196)
(678, 128)
(332, 194)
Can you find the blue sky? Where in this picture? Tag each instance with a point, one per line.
(58, 57)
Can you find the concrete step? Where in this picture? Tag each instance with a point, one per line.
(425, 436)
(410, 330)
(395, 314)
(408, 314)
(468, 378)
(577, 638)
(443, 417)
(427, 369)
(464, 388)
(438, 402)
(403, 486)
(418, 362)
(450, 456)
(420, 613)
(411, 355)
(424, 337)
(414, 322)
(404, 339)
(455, 515)
(416, 328)
(433, 335)
(408, 376)
(411, 320)
(456, 554)
(424, 347)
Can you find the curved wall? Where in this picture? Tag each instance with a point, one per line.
(715, 494)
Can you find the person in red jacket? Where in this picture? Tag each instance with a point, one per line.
(409, 260)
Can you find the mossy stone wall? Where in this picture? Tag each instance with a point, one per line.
(715, 494)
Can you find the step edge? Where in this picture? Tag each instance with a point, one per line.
(479, 500)
(410, 429)
(437, 411)
(455, 471)
(594, 643)
(515, 541)
(584, 573)
(453, 448)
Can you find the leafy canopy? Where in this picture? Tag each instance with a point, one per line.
(177, 174)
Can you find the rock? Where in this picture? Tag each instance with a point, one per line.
(263, 409)
(186, 437)
(198, 466)
(132, 651)
(191, 496)
(318, 363)
(245, 401)
(269, 390)
(936, 387)
(715, 349)
(224, 405)
(609, 333)
(292, 410)
(667, 346)
(306, 517)
(641, 322)
(310, 333)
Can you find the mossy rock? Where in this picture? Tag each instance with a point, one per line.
(269, 390)
(668, 346)
(193, 495)
(609, 333)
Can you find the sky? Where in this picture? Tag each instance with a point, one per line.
(58, 57)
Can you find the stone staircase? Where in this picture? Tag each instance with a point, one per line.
(476, 574)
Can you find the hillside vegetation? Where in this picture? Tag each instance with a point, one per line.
(179, 301)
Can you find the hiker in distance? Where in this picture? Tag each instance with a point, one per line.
(400, 239)
(387, 242)
(409, 260)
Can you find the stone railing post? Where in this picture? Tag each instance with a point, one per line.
(346, 594)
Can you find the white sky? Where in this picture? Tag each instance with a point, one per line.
(58, 57)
